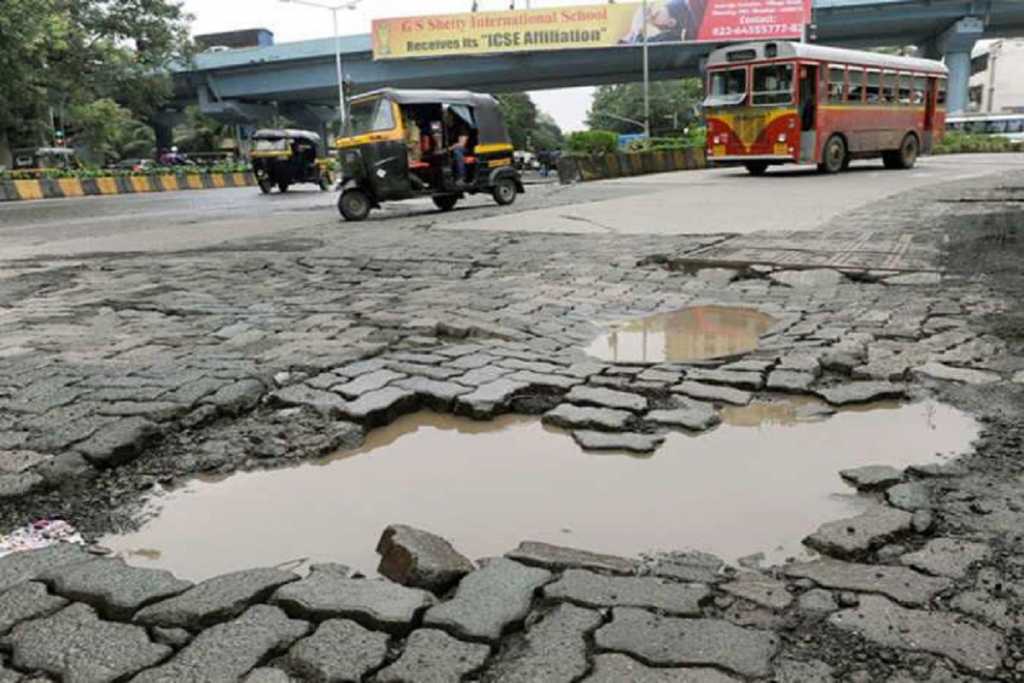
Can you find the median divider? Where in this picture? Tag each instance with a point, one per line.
(625, 164)
(59, 188)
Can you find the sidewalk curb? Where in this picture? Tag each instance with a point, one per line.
(59, 188)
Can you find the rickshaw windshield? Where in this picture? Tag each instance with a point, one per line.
(371, 116)
(280, 145)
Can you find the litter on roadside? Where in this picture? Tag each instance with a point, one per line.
(39, 534)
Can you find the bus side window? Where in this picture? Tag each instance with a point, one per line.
(889, 83)
(1015, 126)
(905, 89)
(836, 84)
(920, 90)
(874, 87)
(942, 92)
(856, 77)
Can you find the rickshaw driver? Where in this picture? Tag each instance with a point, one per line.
(457, 130)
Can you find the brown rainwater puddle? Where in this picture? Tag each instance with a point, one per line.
(699, 333)
(738, 490)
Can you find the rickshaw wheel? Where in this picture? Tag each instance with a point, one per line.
(504, 191)
(282, 186)
(354, 204)
(266, 186)
(446, 202)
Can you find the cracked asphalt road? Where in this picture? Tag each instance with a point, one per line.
(255, 340)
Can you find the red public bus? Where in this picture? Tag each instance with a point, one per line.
(775, 103)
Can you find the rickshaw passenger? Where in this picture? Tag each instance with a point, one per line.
(458, 134)
(413, 138)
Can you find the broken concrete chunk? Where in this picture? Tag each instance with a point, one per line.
(420, 559)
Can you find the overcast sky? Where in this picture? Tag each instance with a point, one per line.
(295, 22)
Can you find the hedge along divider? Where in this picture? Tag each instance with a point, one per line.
(622, 165)
(57, 188)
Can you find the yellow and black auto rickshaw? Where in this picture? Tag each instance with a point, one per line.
(440, 144)
(287, 157)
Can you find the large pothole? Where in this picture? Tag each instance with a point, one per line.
(690, 334)
(760, 483)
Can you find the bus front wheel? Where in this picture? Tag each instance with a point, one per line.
(834, 156)
(906, 157)
(756, 168)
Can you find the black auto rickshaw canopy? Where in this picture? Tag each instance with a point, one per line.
(479, 110)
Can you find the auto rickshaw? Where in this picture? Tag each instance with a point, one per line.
(403, 144)
(286, 157)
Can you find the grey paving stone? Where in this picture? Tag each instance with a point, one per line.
(553, 649)
(15, 462)
(547, 381)
(899, 583)
(21, 484)
(692, 566)
(172, 637)
(27, 601)
(760, 590)
(325, 380)
(583, 370)
(432, 656)
(481, 376)
(607, 398)
(489, 399)
(715, 394)
(489, 600)
(789, 670)
(157, 411)
(420, 559)
(268, 675)
(340, 650)
(569, 416)
(861, 392)
(790, 381)
(961, 375)
(536, 367)
(227, 652)
(473, 361)
(115, 589)
(667, 641)
(693, 416)
(817, 601)
(76, 646)
(910, 496)
(950, 557)
(378, 408)
(855, 536)
(632, 442)
(817, 278)
(594, 590)
(872, 477)
(918, 279)
(620, 669)
(29, 565)
(557, 558)
(376, 604)
(215, 600)
(435, 394)
(238, 397)
(364, 384)
(751, 381)
(325, 402)
(971, 645)
(118, 442)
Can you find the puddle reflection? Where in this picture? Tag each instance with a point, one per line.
(692, 334)
(488, 486)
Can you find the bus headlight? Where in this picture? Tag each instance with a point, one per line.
(718, 140)
(782, 137)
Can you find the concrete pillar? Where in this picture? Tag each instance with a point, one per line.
(956, 44)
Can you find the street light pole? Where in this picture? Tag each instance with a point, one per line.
(334, 9)
(647, 78)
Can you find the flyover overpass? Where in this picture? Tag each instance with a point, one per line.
(299, 79)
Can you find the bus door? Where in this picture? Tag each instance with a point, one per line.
(808, 110)
(929, 116)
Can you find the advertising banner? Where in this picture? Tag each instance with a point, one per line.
(589, 26)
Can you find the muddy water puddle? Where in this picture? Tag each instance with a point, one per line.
(760, 483)
(691, 334)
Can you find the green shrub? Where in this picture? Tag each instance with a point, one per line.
(593, 142)
(88, 173)
(972, 143)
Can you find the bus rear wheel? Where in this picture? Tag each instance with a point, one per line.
(756, 168)
(906, 157)
(834, 156)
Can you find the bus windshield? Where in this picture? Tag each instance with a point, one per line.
(728, 88)
(370, 116)
(773, 84)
